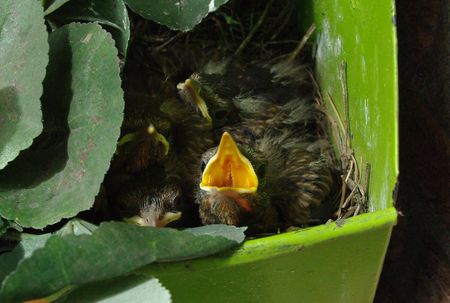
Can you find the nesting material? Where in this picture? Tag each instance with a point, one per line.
(242, 78)
(352, 197)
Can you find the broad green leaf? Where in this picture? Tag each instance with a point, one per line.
(177, 14)
(113, 249)
(52, 5)
(133, 288)
(60, 174)
(110, 13)
(9, 260)
(29, 243)
(23, 57)
(230, 232)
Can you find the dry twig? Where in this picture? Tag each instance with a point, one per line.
(353, 203)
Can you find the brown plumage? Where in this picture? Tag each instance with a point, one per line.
(158, 154)
(191, 136)
(252, 210)
(144, 201)
(275, 127)
(139, 150)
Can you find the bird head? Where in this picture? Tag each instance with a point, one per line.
(229, 191)
(159, 207)
(148, 133)
(228, 183)
(199, 92)
(137, 151)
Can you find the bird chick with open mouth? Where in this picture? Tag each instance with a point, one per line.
(229, 193)
(277, 174)
(289, 185)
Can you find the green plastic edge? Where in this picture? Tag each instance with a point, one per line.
(363, 34)
(286, 243)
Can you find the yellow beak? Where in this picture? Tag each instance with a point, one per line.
(151, 131)
(166, 219)
(191, 92)
(229, 170)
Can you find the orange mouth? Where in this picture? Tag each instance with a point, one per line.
(229, 170)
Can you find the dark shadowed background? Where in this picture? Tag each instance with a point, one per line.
(417, 265)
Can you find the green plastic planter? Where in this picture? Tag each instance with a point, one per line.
(327, 263)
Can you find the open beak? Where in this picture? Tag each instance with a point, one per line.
(229, 170)
(190, 92)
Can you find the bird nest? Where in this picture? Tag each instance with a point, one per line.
(256, 31)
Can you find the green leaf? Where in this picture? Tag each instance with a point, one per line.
(110, 13)
(30, 243)
(52, 5)
(230, 232)
(133, 288)
(23, 57)
(113, 249)
(176, 14)
(61, 173)
(24, 249)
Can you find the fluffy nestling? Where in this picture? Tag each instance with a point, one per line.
(277, 152)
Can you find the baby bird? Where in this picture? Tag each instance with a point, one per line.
(155, 174)
(146, 202)
(145, 129)
(190, 137)
(157, 207)
(298, 178)
(229, 191)
(274, 128)
(152, 176)
(217, 92)
(137, 151)
(290, 184)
